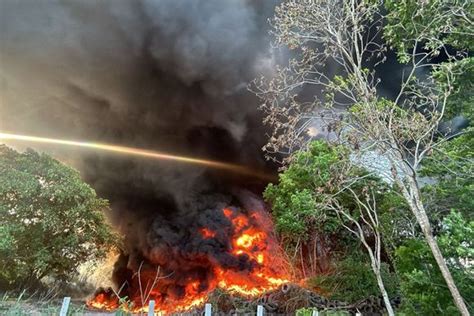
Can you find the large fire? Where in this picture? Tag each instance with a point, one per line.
(251, 241)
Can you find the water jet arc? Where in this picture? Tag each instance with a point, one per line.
(231, 167)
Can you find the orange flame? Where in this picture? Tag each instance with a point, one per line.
(251, 239)
(106, 300)
(207, 233)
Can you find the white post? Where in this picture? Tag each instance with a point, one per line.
(358, 314)
(151, 308)
(259, 310)
(65, 306)
(315, 313)
(207, 310)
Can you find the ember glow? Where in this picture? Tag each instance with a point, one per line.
(105, 299)
(207, 233)
(251, 242)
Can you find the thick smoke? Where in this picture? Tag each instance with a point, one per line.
(166, 75)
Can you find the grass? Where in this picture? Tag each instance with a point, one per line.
(309, 312)
(35, 305)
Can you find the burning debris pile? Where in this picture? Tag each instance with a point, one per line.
(284, 300)
(230, 249)
(287, 299)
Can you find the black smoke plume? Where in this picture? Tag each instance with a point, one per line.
(165, 75)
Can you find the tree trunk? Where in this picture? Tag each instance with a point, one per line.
(386, 299)
(416, 205)
(458, 300)
(376, 268)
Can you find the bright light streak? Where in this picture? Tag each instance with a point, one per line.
(140, 152)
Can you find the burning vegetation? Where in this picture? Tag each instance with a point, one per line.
(238, 253)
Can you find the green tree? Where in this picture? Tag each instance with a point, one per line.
(437, 27)
(317, 195)
(402, 131)
(51, 221)
(449, 199)
(429, 24)
(308, 232)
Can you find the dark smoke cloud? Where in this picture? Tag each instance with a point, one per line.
(167, 75)
(158, 74)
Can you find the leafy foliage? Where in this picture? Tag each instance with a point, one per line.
(309, 312)
(433, 39)
(354, 280)
(301, 204)
(429, 25)
(452, 170)
(422, 285)
(300, 189)
(449, 198)
(51, 221)
(462, 97)
(439, 27)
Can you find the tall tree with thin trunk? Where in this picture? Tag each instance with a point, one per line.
(338, 45)
(368, 224)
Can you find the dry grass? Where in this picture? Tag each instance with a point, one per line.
(35, 305)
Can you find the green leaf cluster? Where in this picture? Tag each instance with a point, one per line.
(452, 169)
(51, 221)
(301, 188)
(428, 24)
(422, 285)
(353, 279)
(462, 84)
